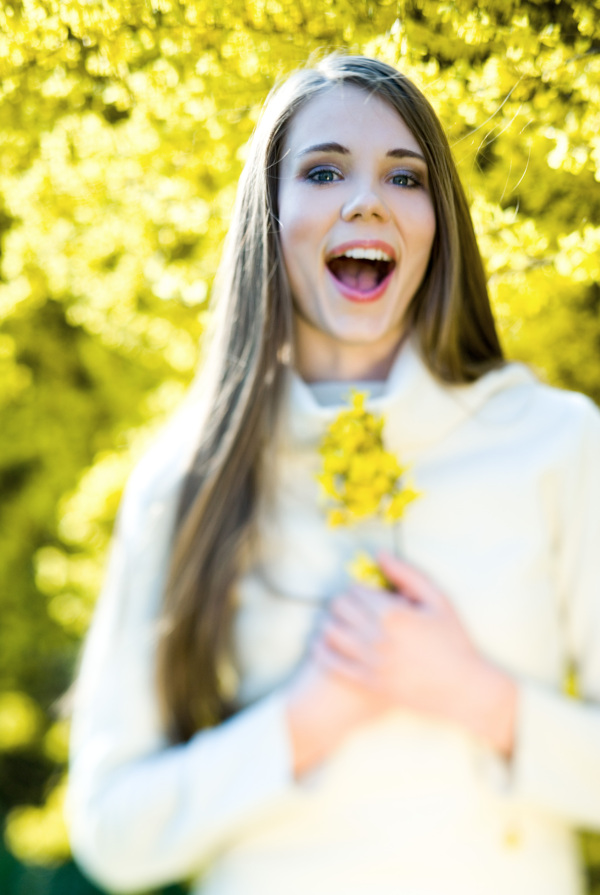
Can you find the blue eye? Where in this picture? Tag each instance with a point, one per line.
(322, 175)
(403, 178)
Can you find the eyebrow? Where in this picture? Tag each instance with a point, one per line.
(343, 150)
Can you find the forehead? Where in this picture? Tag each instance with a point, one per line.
(351, 116)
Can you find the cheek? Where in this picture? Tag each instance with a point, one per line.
(423, 225)
(305, 215)
(415, 219)
(292, 255)
(298, 241)
(296, 222)
(420, 242)
(429, 225)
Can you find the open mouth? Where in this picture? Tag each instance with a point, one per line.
(361, 270)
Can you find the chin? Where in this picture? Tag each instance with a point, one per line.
(360, 338)
(366, 329)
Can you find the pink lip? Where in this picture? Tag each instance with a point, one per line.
(354, 294)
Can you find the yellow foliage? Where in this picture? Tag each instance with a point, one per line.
(20, 720)
(56, 742)
(38, 835)
(123, 128)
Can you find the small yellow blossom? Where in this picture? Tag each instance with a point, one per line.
(337, 518)
(329, 486)
(398, 503)
(364, 569)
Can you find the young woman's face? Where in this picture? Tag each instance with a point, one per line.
(357, 219)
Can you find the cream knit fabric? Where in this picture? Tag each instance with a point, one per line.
(508, 524)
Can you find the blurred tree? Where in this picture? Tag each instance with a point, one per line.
(122, 133)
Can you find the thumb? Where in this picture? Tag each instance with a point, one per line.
(410, 582)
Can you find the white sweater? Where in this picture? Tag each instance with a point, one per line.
(508, 524)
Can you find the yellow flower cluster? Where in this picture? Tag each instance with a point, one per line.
(361, 479)
(359, 476)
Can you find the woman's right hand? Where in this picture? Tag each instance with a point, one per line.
(402, 650)
(322, 709)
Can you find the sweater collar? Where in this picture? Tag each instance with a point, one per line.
(419, 409)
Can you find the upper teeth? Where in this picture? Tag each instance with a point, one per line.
(367, 254)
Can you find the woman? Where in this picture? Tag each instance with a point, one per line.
(245, 715)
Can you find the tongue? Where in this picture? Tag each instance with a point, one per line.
(361, 275)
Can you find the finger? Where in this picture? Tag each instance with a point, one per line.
(379, 604)
(411, 582)
(338, 665)
(355, 614)
(345, 641)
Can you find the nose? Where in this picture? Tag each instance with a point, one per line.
(365, 203)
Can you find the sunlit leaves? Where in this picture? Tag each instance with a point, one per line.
(20, 720)
(38, 834)
(123, 126)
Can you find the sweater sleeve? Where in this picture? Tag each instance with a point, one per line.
(142, 812)
(556, 762)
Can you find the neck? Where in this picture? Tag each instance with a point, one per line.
(319, 358)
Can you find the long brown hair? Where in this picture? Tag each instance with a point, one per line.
(243, 373)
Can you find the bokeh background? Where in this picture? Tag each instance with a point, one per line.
(122, 132)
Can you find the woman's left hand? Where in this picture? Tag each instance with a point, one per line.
(410, 650)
